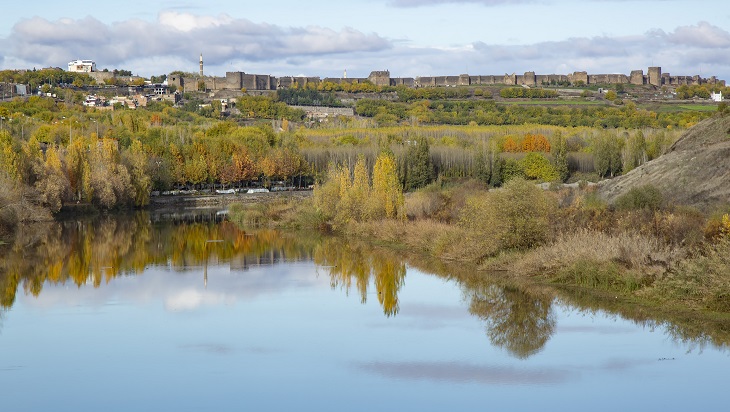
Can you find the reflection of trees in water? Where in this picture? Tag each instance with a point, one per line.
(350, 264)
(515, 320)
(95, 251)
(687, 328)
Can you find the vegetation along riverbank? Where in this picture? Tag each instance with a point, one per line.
(451, 175)
(662, 248)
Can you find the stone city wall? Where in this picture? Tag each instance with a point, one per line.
(240, 80)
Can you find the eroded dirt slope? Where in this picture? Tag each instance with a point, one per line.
(695, 172)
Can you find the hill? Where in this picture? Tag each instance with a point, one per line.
(695, 172)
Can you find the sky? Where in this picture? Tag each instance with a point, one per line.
(410, 38)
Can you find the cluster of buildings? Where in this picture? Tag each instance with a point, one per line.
(134, 100)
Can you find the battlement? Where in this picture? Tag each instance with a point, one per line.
(241, 80)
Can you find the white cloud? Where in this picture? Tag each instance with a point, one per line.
(703, 35)
(178, 35)
(188, 22)
(174, 41)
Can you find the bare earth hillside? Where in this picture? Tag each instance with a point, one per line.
(695, 172)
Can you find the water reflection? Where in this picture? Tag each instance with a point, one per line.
(93, 252)
(349, 265)
(518, 321)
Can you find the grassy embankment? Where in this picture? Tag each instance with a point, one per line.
(637, 250)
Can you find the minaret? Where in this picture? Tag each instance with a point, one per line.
(201, 64)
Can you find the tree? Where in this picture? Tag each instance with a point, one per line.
(536, 166)
(9, 158)
(483, 169)
(510, 146)
(240, 168)
(136, 161)
(53, 184)
(387, 198)
(535, 143)
(634, 152)
(354, 193)
(560, 156)
(495, 180)
(607, 155)
(418, 166)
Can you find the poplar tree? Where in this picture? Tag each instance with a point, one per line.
(387, 196)
(560, 156)
(419, 169)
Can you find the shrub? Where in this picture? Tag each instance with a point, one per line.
(718, 226)
(644, 197)
(515, 217)
(536, 166)
(247, 215)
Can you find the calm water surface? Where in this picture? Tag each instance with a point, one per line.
(126, 314)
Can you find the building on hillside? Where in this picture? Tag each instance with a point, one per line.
(82, 66)
(93, 101)
(716, 97)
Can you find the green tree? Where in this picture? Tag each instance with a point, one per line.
(607, 155)
(482, 166)
(560, 156)
(634, 154)
(535, 166)
(418, 166)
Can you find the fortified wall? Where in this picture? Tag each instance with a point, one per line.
(241, 80)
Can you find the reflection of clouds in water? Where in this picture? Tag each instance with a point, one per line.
(182, 291)
(622, 365)
(211, 348)
(192, 299)
(458, 372)
(425, 316)
(461, 372)
(222, 349)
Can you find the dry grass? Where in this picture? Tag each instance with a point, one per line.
(441, 240)
(702, 282)
(631, 251)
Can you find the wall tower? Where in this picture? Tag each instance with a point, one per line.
(655, 76)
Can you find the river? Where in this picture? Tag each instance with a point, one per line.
(194, 314)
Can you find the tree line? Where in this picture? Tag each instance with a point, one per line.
(55, 154)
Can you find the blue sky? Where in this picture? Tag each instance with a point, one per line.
(408, 37)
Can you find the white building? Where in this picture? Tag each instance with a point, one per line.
(716, 97)
(82, 66)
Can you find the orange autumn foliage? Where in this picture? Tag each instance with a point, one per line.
(535, 143)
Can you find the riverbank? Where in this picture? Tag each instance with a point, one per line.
(224, 200)
(671, 259)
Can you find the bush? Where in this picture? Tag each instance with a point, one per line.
(247, 215)
(536, 166)
(514, 217)
(644, 197)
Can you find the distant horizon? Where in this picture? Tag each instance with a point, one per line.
(408, 37)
